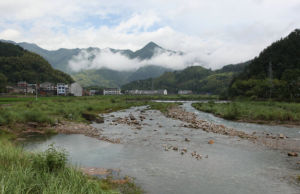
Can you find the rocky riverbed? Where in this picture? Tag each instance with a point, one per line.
(181, 153)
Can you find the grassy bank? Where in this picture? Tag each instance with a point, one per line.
(252, 111)
(23, 172)
(46, 172)
(51, 110)
(55, 109)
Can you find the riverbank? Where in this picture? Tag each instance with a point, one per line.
(167, 156)
(271, 113)
(48, 172)
(63, 114)
(22, 118)
(274, 141)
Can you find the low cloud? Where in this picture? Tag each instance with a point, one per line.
(105, 58)
(208, 30)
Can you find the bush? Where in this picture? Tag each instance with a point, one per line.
(232, 112)
(36, 116)
(51, 160)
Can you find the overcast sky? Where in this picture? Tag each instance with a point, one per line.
(217, 31)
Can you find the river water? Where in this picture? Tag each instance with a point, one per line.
(229, 166)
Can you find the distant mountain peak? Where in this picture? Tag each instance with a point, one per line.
(151, 45)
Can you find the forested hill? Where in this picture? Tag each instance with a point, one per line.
(274, 73)
(18, 64)
(196, 78)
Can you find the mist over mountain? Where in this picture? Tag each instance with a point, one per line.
(110, 67)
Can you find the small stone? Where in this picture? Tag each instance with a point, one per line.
(211, 141)
(293, 154)
(187, 139)
(198, 157)
(281, 136)
(194, 153)
(132, 117)
(184, 150)
(175, 148)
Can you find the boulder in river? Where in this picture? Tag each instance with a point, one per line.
(293, 154)
(281, 136)
(132, 117)
(211, 141)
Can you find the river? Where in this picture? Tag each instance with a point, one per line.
(229, 166)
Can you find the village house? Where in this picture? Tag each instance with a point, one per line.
(93, 92)
(111, 91)
(22, 84)
(147, 92)
(14, 90)
(76, 89)
(47, 88)
(62, 89)
(185, 92)
(31, 88)
(23, 88)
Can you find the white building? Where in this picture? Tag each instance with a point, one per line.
(76, 89)
(111, 91)
(147, 92)
(185, 92)
(62, 89)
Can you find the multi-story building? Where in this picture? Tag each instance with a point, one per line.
(111, 91)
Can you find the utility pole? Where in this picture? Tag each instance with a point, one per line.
(270, 79)
(152, 84)
(36, 91)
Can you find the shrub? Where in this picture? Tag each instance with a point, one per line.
(50, 160)
(232, 111)
(36, 116)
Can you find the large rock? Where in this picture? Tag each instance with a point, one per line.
(293, 154)
(92, 117)
(211, 141)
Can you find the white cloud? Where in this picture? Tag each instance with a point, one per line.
(10, 34)
(97, 59)
(218, 31)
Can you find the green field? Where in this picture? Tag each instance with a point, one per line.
(51, 110)
(254, 111)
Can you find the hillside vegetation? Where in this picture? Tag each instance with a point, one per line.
(275, 73)
(196, 78)
(17, 64)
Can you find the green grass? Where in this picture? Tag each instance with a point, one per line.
(254, 111)
(50, 110)
(46, 172)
